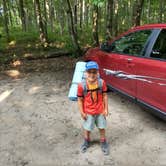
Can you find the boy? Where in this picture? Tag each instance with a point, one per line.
(93, 105)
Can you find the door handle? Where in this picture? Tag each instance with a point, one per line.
(129, 60)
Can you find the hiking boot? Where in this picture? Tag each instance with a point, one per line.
(85, 146)
(105, 148)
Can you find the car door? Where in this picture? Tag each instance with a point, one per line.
(151, 71)
(127, 50)
(107, 65)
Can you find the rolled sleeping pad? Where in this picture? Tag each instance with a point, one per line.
(77, 78)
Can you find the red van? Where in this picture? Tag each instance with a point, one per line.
(134, 64)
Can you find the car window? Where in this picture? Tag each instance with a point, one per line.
(159, 49)
(132, 43)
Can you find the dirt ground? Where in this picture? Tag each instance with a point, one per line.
(39, 126)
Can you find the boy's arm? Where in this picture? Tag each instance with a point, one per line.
(80, 105)
(105, 100)
(81, 100)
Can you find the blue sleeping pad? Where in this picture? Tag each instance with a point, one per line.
(77, 78)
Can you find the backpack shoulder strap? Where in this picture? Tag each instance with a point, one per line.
(100, 83)
(84, 86)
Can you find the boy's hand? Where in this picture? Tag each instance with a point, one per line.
(83, 115)
(105, 113)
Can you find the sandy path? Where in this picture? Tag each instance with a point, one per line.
(39, 126)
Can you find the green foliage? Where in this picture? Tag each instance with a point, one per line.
(24, 37)
(98, 3)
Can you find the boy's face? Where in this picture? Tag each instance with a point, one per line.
(92, 75)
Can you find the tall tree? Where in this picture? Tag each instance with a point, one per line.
(22, 14)
(43, 37)
(51, 15)
(95, 25)
(8, 3)
(45, 16)
(116, 15)
(87, 6)
(6, 20)
(72, 29)
(109, 18)
(75, 14)
(81, 13)
(60, 16)
(137, 10)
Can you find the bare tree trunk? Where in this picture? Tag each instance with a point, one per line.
(116, 9)
(14, 11)
(29, 20)
(9, 11)
(95, 25)
(51, 15)
(137, 10)
(87, 12)
(22, 14)
(6, 21)
(149, 11)
(43, 37)
(109, 18)
(45, 17)
(35, 15)
(72, 28)
(99, 20)
(75, 14)
(81, 13)
(61, 19)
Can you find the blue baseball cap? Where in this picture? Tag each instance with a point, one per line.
(92, 65)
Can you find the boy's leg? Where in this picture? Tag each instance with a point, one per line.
(104, 144)
(101, 124)
(87, 135)
(86, 142)
(102, 135)
(88, 126)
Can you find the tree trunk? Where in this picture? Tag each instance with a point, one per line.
(51, 15)
(6, 21)
(9, 12)
(95, 25)
(45, 17)
(87, 6)
(29, 20)
(75, 14)
(137, 10)
(149, 11)
(116, 10)
(109, 18)
(61, 20)
(81, 13)
(35, 15)
(22, 14)
(43, 37)
(15, 13)
(72, 28)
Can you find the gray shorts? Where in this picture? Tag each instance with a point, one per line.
(92, 120)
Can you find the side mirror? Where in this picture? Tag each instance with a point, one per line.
(106, 47)
(156, 54)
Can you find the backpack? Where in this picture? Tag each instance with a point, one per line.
(86, 90)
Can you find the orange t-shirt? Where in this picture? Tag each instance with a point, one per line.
(93, 100)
